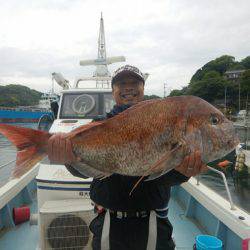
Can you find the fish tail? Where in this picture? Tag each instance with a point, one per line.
(31, 146)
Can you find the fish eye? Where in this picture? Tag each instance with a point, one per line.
(214, 120)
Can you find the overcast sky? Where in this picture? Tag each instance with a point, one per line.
(168, 39)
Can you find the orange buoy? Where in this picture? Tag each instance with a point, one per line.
(223, 164)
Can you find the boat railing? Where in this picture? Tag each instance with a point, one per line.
(7, 164)
(232, 206)
(25, 109)
(7, 108)
(103, 82)
(45, 122)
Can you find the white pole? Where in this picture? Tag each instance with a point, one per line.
(225, 99)
(239, 95)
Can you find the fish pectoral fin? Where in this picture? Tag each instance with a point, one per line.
(159, 163)
(104, 177)
(84, 128)
(163, 159)
(156, 175)
(179, 145)
(82, 170)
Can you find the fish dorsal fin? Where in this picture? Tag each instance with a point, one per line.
(142, 103)
(134, 107)
(85, 128)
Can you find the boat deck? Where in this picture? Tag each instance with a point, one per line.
(184, 229)
(25, 237)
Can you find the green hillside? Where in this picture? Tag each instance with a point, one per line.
(209, 82)
(18, 95)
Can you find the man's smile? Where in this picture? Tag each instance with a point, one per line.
(128, 95)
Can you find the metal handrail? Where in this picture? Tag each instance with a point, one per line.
(225, 183)
(6, 164)
(44, 115)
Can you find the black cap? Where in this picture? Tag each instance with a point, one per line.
(127, 70)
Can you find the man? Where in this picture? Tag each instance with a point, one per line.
(137, 221)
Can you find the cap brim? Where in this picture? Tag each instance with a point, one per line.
(126, 73)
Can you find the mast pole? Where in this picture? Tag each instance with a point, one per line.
(101, 41)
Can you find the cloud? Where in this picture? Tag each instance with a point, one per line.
(168, 39)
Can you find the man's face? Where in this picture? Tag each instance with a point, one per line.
(128, 90)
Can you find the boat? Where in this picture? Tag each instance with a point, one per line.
(46, 100)
(60, 206)
(22, 114)
(30, 114)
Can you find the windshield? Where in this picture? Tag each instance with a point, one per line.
(109, 102)
(85, 105)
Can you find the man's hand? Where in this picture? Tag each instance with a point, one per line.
(192, 165)
(60, 149)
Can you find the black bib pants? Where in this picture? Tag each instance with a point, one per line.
(131, 233)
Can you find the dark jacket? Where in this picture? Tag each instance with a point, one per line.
(113, 192)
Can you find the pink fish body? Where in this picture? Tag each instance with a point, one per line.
(150, 138)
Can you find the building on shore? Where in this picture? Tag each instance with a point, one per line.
(234, 75)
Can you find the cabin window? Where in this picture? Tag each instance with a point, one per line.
(86, 105)
(80, 105)
(109, 102)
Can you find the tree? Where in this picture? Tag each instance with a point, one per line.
(209, 88)
(220, 65)
(18, 95)
(211, 75)
(237, 66)
(245, 84)
(210, 84)
(246, 62)
(148, 97)
(177, 92)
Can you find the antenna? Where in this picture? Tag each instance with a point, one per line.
(102, 61)
(101, 41)
(52, 91)
(165, 90)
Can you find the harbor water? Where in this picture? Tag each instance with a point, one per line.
(239, 185)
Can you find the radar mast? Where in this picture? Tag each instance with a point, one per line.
(101, 41)
(101, 75)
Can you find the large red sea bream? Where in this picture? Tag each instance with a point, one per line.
(149, 138)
